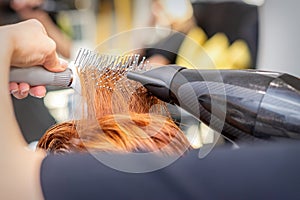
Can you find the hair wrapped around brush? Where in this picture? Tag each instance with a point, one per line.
(119, 115)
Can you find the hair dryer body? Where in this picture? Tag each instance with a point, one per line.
(237, 103)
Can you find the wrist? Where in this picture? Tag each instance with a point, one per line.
(7, 41)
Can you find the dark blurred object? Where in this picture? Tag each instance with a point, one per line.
(7, 14)
(237, 20)
(251, 172)
(33, 117)
(167, 47)
(58, 5)
(50, 6)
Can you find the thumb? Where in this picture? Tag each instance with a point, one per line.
(55, 64)
(51, 61)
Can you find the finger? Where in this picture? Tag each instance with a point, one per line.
(23, 91)
(38, 91)
(52, 62)
(13, 87)
(63, 63)
(58, 65)
(19, 96)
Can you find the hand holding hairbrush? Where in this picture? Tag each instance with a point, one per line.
(85, 60)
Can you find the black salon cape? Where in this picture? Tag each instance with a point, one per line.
(259, 172)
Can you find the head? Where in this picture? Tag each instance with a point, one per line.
(118, 116)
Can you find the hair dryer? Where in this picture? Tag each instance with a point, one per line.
(240, 104)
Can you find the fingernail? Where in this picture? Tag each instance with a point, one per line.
(37, 96)
(24, 92)
(13, 91)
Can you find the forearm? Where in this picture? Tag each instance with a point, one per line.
(19, 166)
(9, 135)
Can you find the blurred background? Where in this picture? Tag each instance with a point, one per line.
(235, 34)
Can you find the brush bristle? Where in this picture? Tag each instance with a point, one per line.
(109, 70)
(87, 59)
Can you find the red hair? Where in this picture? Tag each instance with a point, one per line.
(119, 116)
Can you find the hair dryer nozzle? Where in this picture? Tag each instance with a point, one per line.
(157, 81)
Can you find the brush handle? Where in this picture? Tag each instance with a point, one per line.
(40, 76)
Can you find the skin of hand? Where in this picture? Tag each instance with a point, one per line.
(28, 53)
(63, 41)
(26, 44)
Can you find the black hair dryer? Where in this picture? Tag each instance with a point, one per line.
(236, 103)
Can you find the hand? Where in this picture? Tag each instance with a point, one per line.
(32, 48)
(23, 44)
(21, 90)
(25, 10)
